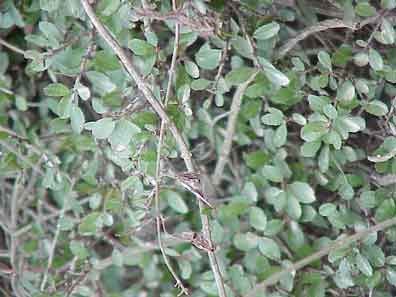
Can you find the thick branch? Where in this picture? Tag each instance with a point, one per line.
(336, 245)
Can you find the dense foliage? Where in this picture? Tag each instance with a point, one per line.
(132, 131)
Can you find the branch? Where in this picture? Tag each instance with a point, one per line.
(336, 245)
(12, 47)
(227, 145)
(185, 153)
(322, 26)
(179, 283)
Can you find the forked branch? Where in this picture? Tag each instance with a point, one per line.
(158, 108)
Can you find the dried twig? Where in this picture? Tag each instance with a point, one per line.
(14, 150)
(203, 25)
(12, 47)
(322, 26)
(234, 112)
(336, 245)
(13, 245)
(185, 153)
(54, 242)
(179, 283)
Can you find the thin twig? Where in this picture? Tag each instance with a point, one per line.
(219, 72)
(322, 26)
(179, 283)
(232, 120)
(12, 133)
(185, 153)
(336, 245)
(13, 244)
(54, 242)
(202, 25)
(12, 47)
(20, 156)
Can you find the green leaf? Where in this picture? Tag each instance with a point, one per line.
(391, 276)
(273, 74)
(256, 159)
(303, 192)
(20, 103)
(257, 218)
(117, 258)
(382, 158)
(200, 84)
(83, 92)
(388, 4)
(141, 47)
(239, 75)
(317, 103)
(354, 124)
(363, 265)
(280, 135)
(208, 58)
(49, 5)
(293, 207)
(309, 149)
(192, 69)
(313, 131)
(122, 134)
(269, 248)
(102, 128)
(376, 107)
(324, 159)
(77, 119)
(361, 59)
(272, 173)
(108, 7)
(375, 60)
(175, 201)
(299, 119)
(267, 31)
(78, 249)
(51, 32)
(64, 107)
(90, 224)
(57, 90)
(325, 60)
(101, 82)
(105, 61)
(327, 210)
(242, 46)
(330, 111)
(346, 92)
(250, 191)
(245, 241)
(343, 277)
(274, 118)
(364, 9)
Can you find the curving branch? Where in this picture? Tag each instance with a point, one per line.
(158, 108)
(336, 245)
(227, 145)
(325, 25)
